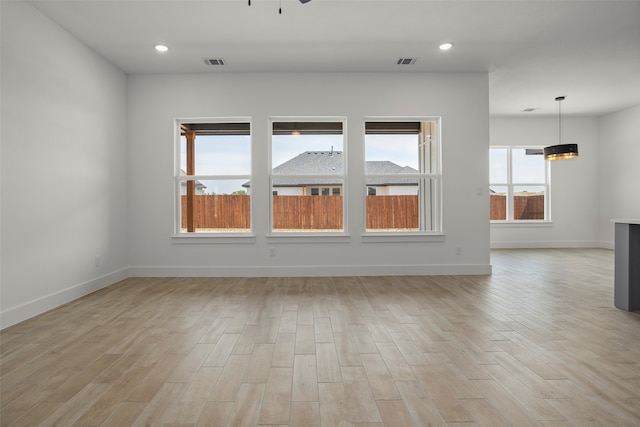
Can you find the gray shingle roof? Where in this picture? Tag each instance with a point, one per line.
(331, 162)
(312, 163)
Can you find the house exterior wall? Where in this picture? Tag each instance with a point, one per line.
(155, 101)
(397, 190)
(64, 115)
(290, 191)
(389, 190)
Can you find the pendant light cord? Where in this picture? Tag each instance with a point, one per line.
(560, 99)
(559, 122)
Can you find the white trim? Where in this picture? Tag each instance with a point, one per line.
(434, 176)
(177, 202)
(547, 244)
(606, 245)
(510, 185)
(313, 271)
(343, 177)
(40, 305)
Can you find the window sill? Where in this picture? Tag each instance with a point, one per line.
(520, 224)
(402, 238)
(204, 238)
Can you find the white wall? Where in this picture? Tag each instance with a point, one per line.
(63, 166)
(619, 170)
(461, 100)
(574, 183)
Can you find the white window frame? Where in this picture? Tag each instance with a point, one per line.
(432, 214)
(510, 191)
(309, 234)
(180, 236)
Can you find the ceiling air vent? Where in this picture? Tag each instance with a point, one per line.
(406, 61)
(214, 61)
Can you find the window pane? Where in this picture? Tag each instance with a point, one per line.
(393, 213)
(498, 165)
(401, 209)
(498, 202)
(219, 154)
(385, 151)
(527, 168)
(218, 206)
(528, 202)
(297, 150)
(307, 166)
(306, 209)
(396, 202)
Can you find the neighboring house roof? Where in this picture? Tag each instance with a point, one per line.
(331, 162)
(199, 185)
(387, 167)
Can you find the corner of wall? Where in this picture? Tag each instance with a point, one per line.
(45, 303)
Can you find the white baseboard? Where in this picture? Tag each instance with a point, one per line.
(312, 271)
(547, 244)
(40, 305)
(606, 245)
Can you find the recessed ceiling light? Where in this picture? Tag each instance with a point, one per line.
(446, 46)
(161, 47)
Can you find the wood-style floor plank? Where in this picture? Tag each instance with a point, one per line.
(537, 343)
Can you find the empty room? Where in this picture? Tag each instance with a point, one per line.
(319, 213)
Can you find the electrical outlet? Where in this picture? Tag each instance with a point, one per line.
(97, 260)
(458, 250)
(272, 251)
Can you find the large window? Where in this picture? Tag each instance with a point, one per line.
(213, 168)
(307, 176)
(402, 176)
(519, 184)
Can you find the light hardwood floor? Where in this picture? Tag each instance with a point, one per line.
(538, 343)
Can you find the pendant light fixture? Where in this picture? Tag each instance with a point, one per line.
(560, 151)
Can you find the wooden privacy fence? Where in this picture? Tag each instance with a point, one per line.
(392, 212)
(219, 211)
(525, 206)
(307, 213)
(302, 212)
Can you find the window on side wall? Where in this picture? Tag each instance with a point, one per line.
(307, 175)
(213, 169)
(402, 176)
(518, 184)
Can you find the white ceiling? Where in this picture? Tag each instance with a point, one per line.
(588, 51)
